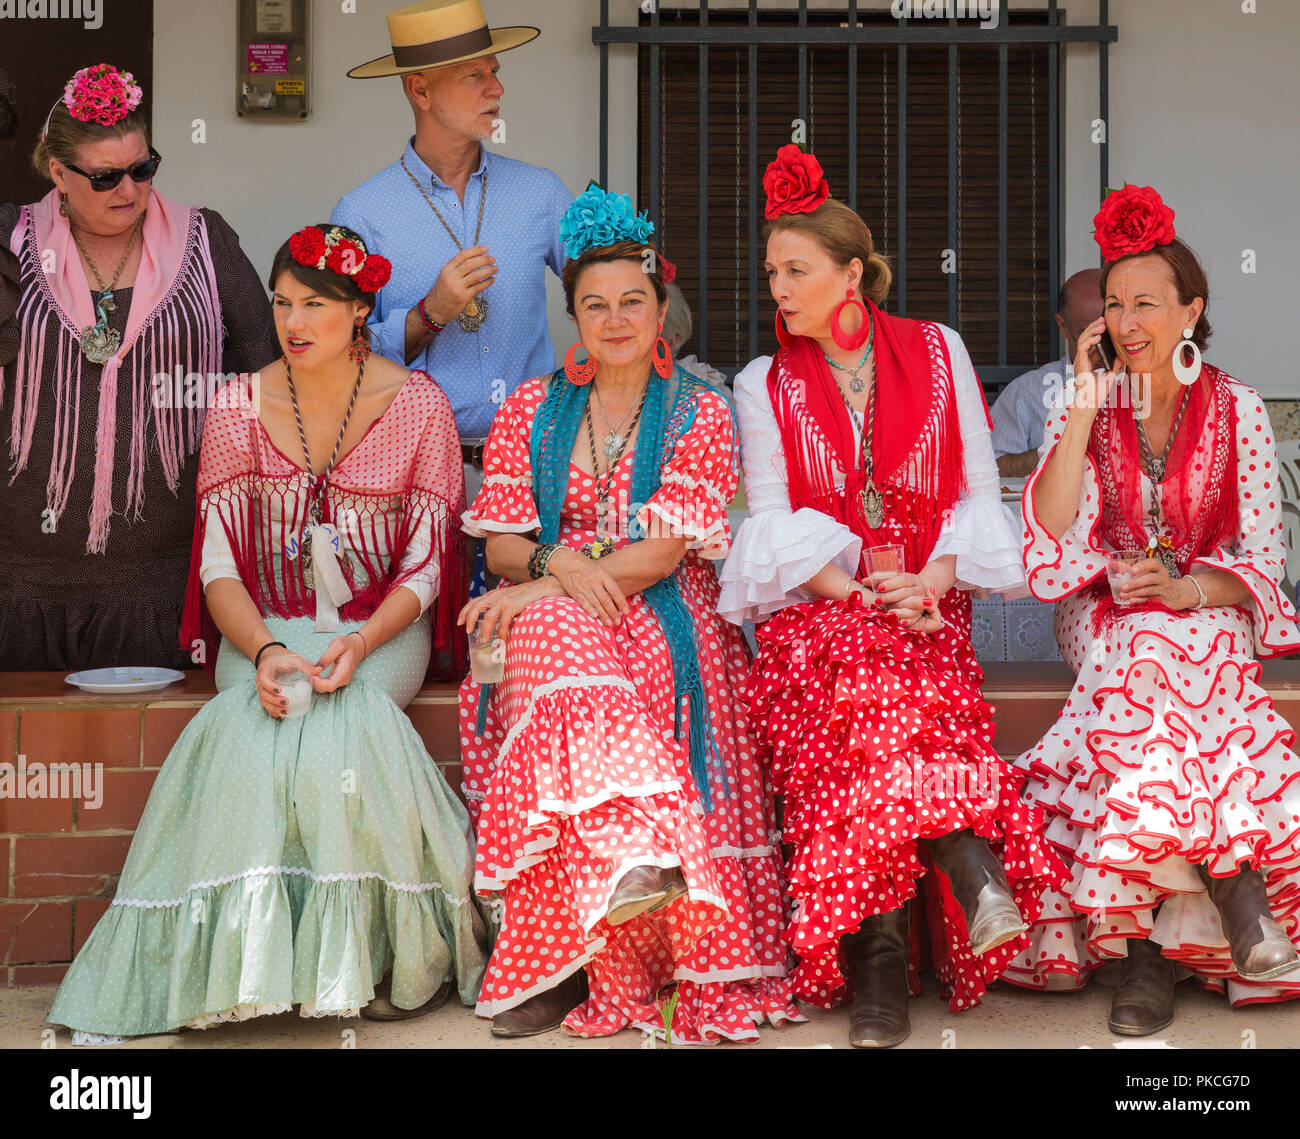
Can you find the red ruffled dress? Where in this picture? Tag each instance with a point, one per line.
(578, 778)
(1168, 752)
(878, 736)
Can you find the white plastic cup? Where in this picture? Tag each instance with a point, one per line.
(1119, 568)
(295, 686)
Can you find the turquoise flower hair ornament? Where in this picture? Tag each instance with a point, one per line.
(598, 218)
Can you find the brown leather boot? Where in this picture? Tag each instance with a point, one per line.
(642, 890)
(544, 1012)
(1260, 947)
(980, 886)
(877, 967)
(1144, 998)
(382, 1007)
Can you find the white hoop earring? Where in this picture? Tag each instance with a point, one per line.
(1187, 374)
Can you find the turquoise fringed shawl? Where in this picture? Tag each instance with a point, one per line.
(669, 412)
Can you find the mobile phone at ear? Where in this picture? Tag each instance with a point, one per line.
(1103, 352)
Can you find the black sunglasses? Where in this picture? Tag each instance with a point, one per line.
(108, 180)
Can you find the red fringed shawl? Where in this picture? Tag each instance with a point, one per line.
(916, 449)
(403, 480)
(1198, 497)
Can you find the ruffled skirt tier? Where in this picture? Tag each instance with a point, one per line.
(878, 739)
(1168, 754)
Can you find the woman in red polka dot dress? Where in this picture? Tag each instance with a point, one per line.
(622, 815)
(867, 704)
(1169, 780)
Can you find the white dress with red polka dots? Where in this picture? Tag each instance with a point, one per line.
(878, 736)
(1168, 752)
(578, 777)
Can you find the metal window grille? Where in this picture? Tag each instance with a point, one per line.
(914, 148)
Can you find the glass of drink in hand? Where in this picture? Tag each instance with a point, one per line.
(1119, 568)
(295, 686)
(487, 659)
(884, 562)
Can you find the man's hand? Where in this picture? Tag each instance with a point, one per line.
(471, 272)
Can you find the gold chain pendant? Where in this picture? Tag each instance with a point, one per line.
(475, 315)
(873, 505)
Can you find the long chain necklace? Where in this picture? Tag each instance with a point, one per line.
(316, 504)
(617, 438)
(870, 497)
(856, 383)
(604, 544)
(99, 342)
(1160, 545)
(476, 312)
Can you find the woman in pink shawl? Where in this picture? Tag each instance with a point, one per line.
(120, 311)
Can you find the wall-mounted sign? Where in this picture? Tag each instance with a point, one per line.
(274, 17)
(273, 69)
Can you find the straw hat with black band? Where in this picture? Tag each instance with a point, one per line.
(439, 33)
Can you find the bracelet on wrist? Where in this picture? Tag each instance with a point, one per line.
(257, 660)
(1200, 604)
(540, 560)
(365, 646)
(432, 325)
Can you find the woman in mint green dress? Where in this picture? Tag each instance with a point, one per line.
(314, 859)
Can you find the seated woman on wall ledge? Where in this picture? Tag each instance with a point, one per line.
(617, 717)
(1169, 781)
(298, 855)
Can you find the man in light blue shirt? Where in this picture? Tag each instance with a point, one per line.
(470, 234)
(1020, 411)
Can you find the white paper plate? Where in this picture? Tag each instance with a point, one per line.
(115, 680)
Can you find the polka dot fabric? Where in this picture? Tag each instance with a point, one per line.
(578, 778)
(878, 738)
(1168, 753)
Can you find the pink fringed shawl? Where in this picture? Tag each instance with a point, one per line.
(174, 320)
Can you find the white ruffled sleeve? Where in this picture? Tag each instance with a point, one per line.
(1258, 557)
(980, 530)
(776, 549)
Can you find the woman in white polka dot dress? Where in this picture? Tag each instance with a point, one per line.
(1169, 780)
(867, 704)
(315, 856)
(621, 812)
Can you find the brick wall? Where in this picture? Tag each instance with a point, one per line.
(59, 857)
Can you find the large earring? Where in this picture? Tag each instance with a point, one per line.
(63, 206)
(1187, 374)
(359, 350)
(663, 356)
(850, 342)
(783, 335)
(580, 375)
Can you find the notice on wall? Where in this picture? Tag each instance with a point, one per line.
(291, 87)
(268, 59)
(274, 17)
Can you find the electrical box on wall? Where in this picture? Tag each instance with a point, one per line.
(273, 70)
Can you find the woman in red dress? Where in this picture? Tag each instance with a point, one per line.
(866, 695)
(622, 815)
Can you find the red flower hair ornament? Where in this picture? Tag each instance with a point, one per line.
(1132, 220)
(335, 250)
(794, 183)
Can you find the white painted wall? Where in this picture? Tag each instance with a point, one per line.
(1204, 102)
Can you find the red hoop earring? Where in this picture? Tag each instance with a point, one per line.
(850, 342)
(663, 357)
(784, 336)
(580, 375)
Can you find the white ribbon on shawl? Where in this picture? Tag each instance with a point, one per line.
(332, 588)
